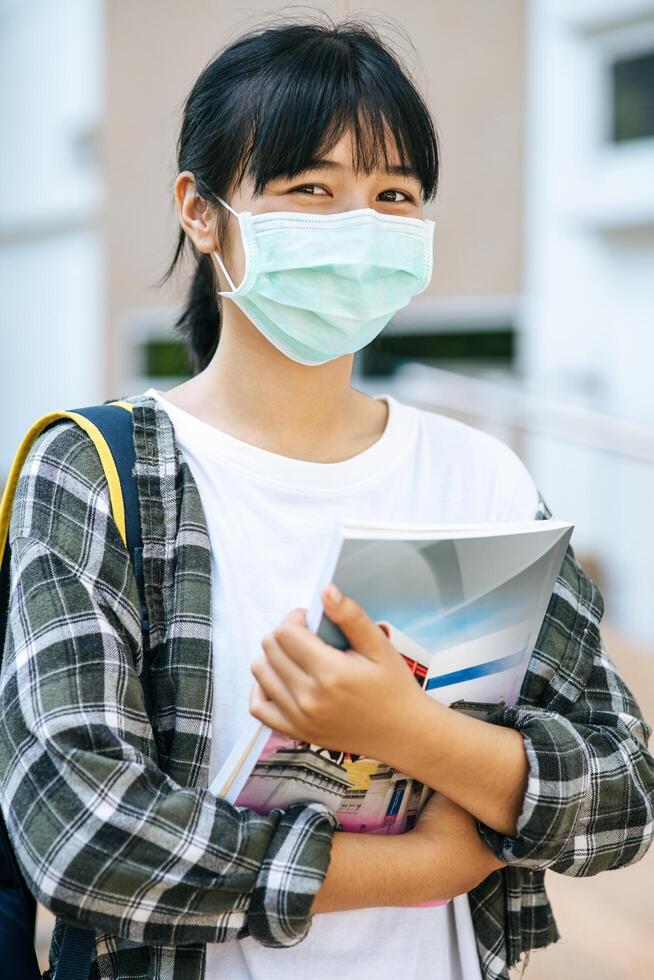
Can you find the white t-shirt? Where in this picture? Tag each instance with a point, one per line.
(270, 519)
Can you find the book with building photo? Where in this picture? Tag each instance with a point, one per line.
(463, 604)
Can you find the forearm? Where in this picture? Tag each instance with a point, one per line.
(480, 766)
(367, 871)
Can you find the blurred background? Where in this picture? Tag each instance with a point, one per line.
(538, 325)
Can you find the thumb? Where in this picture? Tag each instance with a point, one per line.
(362, 633)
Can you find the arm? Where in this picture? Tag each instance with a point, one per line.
(589, 802)
(579, 778)
(104, 837)
(441, 857)
(480, 766)
(577, 796)
(137, 830)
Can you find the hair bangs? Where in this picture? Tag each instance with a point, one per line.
(325, 88)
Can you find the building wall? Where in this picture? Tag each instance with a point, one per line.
(589, 287)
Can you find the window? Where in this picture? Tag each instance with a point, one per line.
(164, 358)
(452, 348)
(632, 87)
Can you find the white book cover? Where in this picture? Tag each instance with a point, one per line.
(463, 604)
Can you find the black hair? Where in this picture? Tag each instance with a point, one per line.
(273, 101)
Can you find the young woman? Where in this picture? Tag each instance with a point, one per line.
(306, 156)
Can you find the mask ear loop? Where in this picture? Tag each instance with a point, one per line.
(225, 272)
(218, 258)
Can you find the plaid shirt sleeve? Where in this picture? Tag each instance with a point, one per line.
(104, 837)
(589, 803)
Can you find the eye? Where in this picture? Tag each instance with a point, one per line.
(309, 189)
(405, 197)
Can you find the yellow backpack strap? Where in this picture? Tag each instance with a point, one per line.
(107, 460)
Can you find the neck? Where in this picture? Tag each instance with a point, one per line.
(254, 392)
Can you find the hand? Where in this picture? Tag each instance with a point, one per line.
(440, 819)
(358, 700)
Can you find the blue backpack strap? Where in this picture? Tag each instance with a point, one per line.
(75, 954)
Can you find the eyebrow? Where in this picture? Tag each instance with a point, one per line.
(323, 163)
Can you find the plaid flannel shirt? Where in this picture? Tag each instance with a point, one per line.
(108, 810)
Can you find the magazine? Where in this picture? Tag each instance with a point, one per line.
(463, 605)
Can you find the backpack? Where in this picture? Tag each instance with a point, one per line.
(110, 426)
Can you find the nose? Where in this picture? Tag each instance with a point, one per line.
(353, 202)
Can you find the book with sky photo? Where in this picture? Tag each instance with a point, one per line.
(462, 603)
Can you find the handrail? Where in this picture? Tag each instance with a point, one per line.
(524, 410)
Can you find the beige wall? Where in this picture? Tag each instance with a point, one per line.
(470, 64)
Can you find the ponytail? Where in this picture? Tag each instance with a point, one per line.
(199, 321)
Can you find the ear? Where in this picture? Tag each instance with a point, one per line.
(196, 216)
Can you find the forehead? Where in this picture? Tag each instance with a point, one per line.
(343, 157)
(346, 149)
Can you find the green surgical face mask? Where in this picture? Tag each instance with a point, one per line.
(318, 286)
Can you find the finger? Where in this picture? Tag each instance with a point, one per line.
(296, 617)
(304, 648)
(363, 635)
(273, 687)
(288, 671)
(267, 711)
